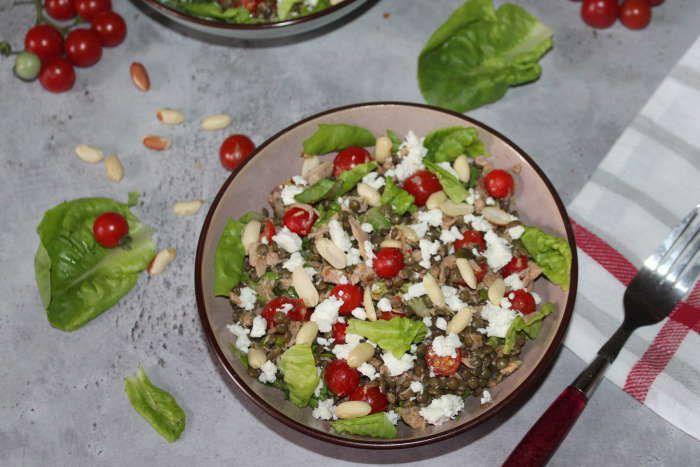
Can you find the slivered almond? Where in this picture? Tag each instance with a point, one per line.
(467, 272)
(89, 154)
(331, 253)
(435, 200)
(352, 409)
(216, 122)
(433, 290)
(187, 208)
(140, 77)
(453, 209)
(114, 168)
(460, 321)
(170, 116)
(251, 235)
(156, 143)
(368, 303)
(497, 216)
(307, 333)
(369, 194)
(382, 149)
(161, 261)
(461, 166)
(256, 358)
(390, 244)
(497, 291)
(304, 287)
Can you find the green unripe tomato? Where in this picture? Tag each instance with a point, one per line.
(27, 66)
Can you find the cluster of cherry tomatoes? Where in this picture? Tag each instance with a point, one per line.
(51, 52)
(634, 14)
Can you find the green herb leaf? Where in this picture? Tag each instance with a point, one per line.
(378, 220)
(157, 406)
(395, 141)
(316, 192)
(133, 198)
(474, 176)
(479, 52)
(398, 198)
(325, 214)
(350, 178)
(376, 425)
(395, 336)
(453, 188)
(78, 279)
(551, 253)
(213, 10)
(531, 326)
(445, 144)
(330, 138)
(229, 260)
(300, 375)
(285, 6)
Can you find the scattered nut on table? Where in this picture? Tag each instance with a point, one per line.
(161, 261)
(89, 154)
(140, 77)
(216, 122)
(156, 143)
(114, 168)
(170, 116)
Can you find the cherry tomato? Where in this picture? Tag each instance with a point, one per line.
(388, 262)
(27, 66)
(349, 158)
(87, 9)
(372, 395)
(517, 264)
(599, 13)
(443, 366)
(340, 379)
(109, 228)
(389, 315)
(293, 307)
(57, 75)
(83, 47)
(299, 221)
(44, 41)
(61, 10)
(421, 185)
(339, 330)
(471, 239)
(251, 5)
(110, 27)
(635, 14)
(234, 150)
(499, 183)
(522, 301)
(481, 273)
(268, 231)
(351, 295)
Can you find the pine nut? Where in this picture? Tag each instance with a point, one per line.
(391, 244)
(304, 287)
(140, 77)
(170, 116)
(369, 194)
(352, 409)
(187, 208)
(467, 272)
(368, 303)
(331, 253)
(460, 321)
(251, 235)
(89, 154)
(435, 200)
(307, 333)
(408, 233)
(433, 290)
(497, 291)
(450, 208)
(461, 166)
(161, 261)
(382, 149)
(216, 122)
(310, 163)
(497, 216)
(360, 354)
(114, 168)
(156, 143)
(256, 358)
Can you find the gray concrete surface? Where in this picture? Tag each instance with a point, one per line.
(61, 396)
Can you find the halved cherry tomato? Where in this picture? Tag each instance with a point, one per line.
(388, 262)
(340, 378)
(389, 315)
(522, 301)
(517, 264)
(45, 41)
(294, 308)
(372, 395)
(349, 158)
(599, 13)
(471, 239)
(234, 150)
(499, 183)
(268, 231)
(299, 221)
(635, 14)
(109, 228)
(339, 330)
(443, 366)
(351, 295)
(421, 185)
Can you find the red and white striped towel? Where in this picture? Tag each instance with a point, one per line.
(645, 185)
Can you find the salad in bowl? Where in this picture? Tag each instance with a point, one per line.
(250, 11)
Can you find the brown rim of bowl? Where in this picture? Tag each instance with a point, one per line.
(155, 4)
(532, 380)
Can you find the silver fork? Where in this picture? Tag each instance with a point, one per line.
(666, 277)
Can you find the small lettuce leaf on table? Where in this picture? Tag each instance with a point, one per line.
(453, 188)
(156, 405)
(78, 279)
(300, 375)
(472, 58)
(336, 137)
(446, 144)
(376, 425)
(395, 335)
(229, 259)
(530, 325)
(398, 198)
(551, 253)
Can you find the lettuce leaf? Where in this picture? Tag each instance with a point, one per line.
(374, 217)
(395, 336)
(285, 6)
(229, 260)
(445, 144)
(395, 140)
(376, 425)
(472, 58)
(350, 178)
(330, 138)
(530, 326)
(157, 406)
(453, 188)
(325, 214)
(77, 278)
(398, 198)
(551, 253)
(316, 192)
(212, 10)
(300, 375)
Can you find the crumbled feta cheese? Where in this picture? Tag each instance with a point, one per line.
(432, 217)
(341, 351)
(285, 308)
(414, 291)
(325, 410)
(498, 252)
(287, 240)
(343, 280)
(505, 303)
(310, 271)
(344, 202)
(413, 348)
(452, 299)
(499, 320)
(359, 313)
(384, 304)
(446, 346)
(289, 192)
(326, 313)
(341, 319)
(411, 162)
(450, 236)
(472, 196)
(241, 333)
(511, 296)
(420, 229)
(259, 327)
(368, 370)
(367, 227)
(338, 235)
(319, 386)
(442, 409)
(393, 417)
(441, 323)
(352, 256)
(397, 366)
(248, 298)
(299, 180)
(448, 167)
(294, 262)
(486, 397)
(490, 201)
(513, 282)
(369, 250)
(416, 386)
(322, 341)
(516, 232)
(478, 223)
(427, 250)
(374, 180)
(537, 297)
(428, 321)
(268, 372)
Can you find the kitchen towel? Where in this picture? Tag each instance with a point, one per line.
(646, 184)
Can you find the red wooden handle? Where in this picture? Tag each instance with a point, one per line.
(546, 435)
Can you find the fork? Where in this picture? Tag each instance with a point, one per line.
(666, 277)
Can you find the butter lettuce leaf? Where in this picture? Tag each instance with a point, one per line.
(551, 253)
(395, 196)
(316, 192)
(445, 144)
(376, 219)
(530, 325)
(330, 138)
(300, 375)
(395, 336)
(229, 259)
(350, 178)
(376, 425)
(453, 188)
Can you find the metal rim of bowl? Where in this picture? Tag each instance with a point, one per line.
(532, 379)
